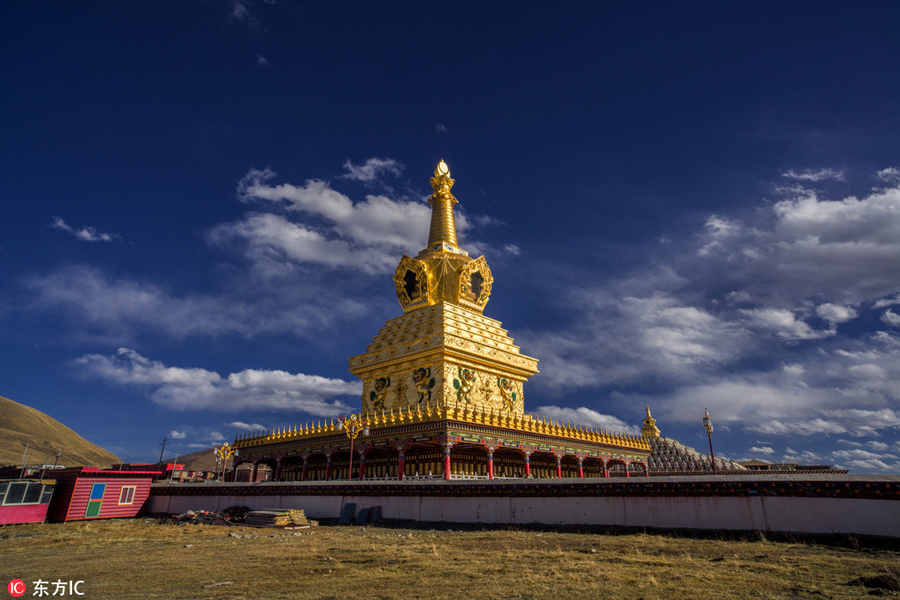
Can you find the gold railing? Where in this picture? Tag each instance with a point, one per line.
(468, 414)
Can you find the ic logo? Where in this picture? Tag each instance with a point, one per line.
(16, 588)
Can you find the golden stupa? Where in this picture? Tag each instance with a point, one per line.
(443, 351)
(443, 390)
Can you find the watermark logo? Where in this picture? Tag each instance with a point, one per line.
(58, 588)
(16, 588)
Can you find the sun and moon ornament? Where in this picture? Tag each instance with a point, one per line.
(223, 453)
(352, 428)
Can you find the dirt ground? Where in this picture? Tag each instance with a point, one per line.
(147, 558)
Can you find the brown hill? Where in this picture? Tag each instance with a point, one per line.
(202, 460)
(205, 460)
(20, 425)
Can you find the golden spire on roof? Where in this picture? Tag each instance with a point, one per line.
(443, 226)
(650, 431)
(442, 272)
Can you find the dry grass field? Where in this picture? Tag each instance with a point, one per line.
(144, 558)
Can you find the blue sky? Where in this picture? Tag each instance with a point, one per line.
(691, 205)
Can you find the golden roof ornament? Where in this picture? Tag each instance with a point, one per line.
(442, 272)
(650, 431)
(442, 235)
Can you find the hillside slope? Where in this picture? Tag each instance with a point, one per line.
(20, 425)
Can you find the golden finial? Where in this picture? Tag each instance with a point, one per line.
(650, 431)
(441, 182)
(443, 226)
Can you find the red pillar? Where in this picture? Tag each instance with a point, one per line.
(490, 458)
(305, 467)
(559, 467)
(627, 474)
(527, 464)
(362, 466)
(447, 445)
(605, 470)
(402, 467)
(580, 468)
(447, 464)
(328, 469)
(646, 470)
(277, 470)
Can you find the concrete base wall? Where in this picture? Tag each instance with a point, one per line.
(754, 511)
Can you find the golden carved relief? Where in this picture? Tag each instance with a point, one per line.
(507, 393)
(424, 383)
(379, 393)
(464, 384)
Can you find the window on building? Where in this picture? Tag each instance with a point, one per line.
(33, 493)
(24, 492)
(126, 496)
(16, 493)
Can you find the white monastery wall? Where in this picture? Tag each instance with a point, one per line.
(864, 516)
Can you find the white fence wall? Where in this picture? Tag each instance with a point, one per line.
(797, 514)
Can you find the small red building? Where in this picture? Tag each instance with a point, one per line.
(89, 493)
(24, 500)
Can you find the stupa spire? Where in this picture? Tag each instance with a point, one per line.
(442, 272)
(650, 431)
(443, 225)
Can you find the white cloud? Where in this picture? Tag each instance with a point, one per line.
(840, 252)
(241, 13)
(239, 10)
(261, 61)
(269, 236)
(586, 416)
(372, 169)
(891, 318)
(865, 422)
(882, 302)
(750, 317)
(762, 450)
(245, 426)
(835, 314)
(853, 422)
(335, 232)
(804, 428)
(867, 372)
(116, 310)
(814, 175)
(738, 297)
(718, 229)
(861, 455)
(890, 175)
(873, 466)
(213, 436)
(623, 340)
(785, 324)
(177, 435)
(198, 389)
(804, 457)
(441, 128)
(85, 234)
